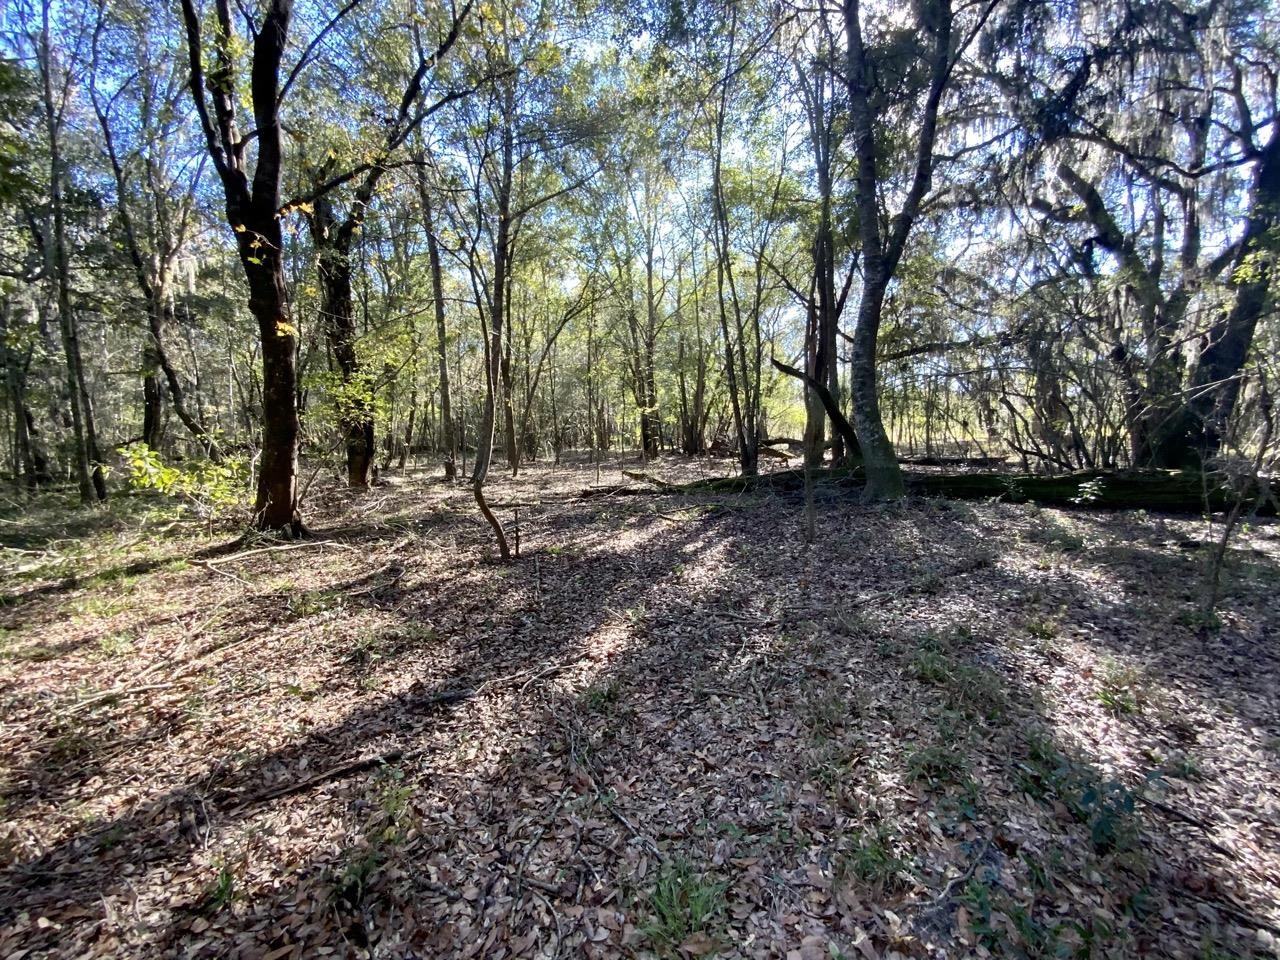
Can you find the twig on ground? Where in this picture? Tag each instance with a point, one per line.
(942, 898)
(278, 549)
(647, 478)
(343, 770)
(208, 565)
(116, 693)
(1172, 811)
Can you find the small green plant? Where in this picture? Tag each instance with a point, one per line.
(31, 654)
(389, 818)
(1089, 491)
(70, 745)
(870, 859)
(929, 584)
(206, 486)
(1043, 628)
(114, 645)
(301, 692)
(1107, 806)
(111, 836)
(359, 866)
(222, 892)
(393, 811)
(683, 902)
(1121, 689)
(936, 765)
(825, 710)
(602, 695)
(966, 687)
(635, 616)
(1183, 767)
(929, 666)
(1200, 619)
(308, 603)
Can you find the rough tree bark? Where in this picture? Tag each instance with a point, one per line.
(1215, 385)
(882, 251)
(449, 440)
(333, 235)
(253, 213)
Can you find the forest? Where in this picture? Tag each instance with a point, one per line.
(681, 478)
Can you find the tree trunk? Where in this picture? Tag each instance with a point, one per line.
(337, 311)
(510, 439)
(30, 467)
(253, 213)
(449, 440)
(880, 253)
(88, 458)
(152, 399)
(497, 310)
(160, 319)
(1215, 386)
(276, 504)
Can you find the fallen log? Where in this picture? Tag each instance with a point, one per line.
(980, 463)
(1168, 491)
(646, 478)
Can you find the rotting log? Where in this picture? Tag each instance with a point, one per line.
(979, 463)
(1169, 491)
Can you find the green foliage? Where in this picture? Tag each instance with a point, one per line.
(937, 765)
(1005, 927)
(370, 649)
(1090, 490)
(114, 645)
(602, 695)
(389, 818)
(870, 859)
(209, 487)
(1106, 806)
(966, 686)
(1121, 689)
(825, 710)
(1043, 628)
(1199, 619)
(302, 603)
(683, 902)
(222, 892)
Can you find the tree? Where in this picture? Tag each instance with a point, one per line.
(155, 188)
(253, 212)
(55, 82)
(334, 227)
(870, 117)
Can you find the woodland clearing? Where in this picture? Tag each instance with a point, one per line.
(669, 728)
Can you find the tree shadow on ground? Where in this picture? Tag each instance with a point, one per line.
(867, 685)
(163, 827)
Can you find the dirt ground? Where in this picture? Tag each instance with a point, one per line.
(669, 728)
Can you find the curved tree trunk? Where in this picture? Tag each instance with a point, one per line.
(253, 213)
(501, 250)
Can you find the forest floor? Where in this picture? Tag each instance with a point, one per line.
(670, 728)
